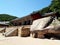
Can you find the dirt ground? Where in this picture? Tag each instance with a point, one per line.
(27, 41)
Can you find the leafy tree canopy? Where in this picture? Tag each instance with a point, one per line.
(6, 17)
(54, 6)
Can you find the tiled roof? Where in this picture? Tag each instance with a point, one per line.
(4, 22)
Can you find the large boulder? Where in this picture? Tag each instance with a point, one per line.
(42, 23)
(11, 31)
(25, 32)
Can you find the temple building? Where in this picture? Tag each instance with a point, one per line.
(27, 20)
(4, 23)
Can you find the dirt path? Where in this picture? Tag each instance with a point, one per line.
(27, 41)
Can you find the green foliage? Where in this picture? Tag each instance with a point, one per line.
(54, 6)
(44, 10)
(6, 17)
